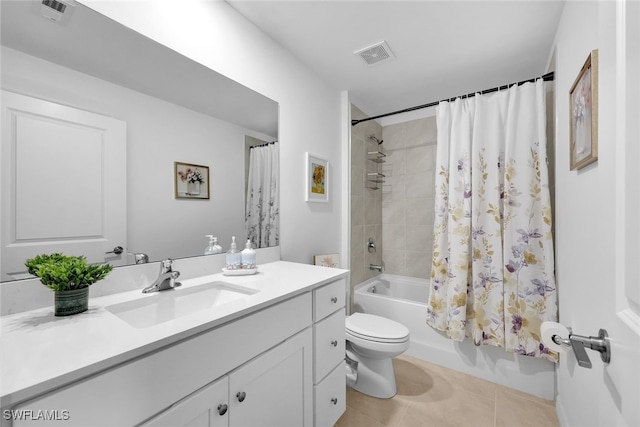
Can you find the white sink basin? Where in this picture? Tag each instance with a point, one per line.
(168, 305)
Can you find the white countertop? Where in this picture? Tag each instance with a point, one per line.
(40, 352)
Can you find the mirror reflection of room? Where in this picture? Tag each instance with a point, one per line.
(166, 109)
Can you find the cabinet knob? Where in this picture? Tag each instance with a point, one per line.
(241, 396)
(334, 343)
(334, 300)
(222, 408)
(334, 400)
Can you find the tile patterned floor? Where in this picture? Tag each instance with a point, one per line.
(430, 395)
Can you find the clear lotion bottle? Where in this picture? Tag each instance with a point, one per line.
(214, 247)
(234, 257)
(248, 257)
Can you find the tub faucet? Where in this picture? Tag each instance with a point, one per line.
(166, 279)
(375, 267)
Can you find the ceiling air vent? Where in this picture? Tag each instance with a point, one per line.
(54, 10)
(376, 53)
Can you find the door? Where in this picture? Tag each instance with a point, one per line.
(599, 228)
(275, 388)
(208, 407)
(63, 183)
(622, 375)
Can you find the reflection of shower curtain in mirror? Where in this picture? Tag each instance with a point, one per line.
(262, 220)
(492, 277)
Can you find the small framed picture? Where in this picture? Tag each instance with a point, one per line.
(583, 112)
(191, 181)
(317, 182)
(328, 260)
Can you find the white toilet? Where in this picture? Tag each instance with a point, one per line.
(372, 341)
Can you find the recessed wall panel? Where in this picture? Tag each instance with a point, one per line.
(59, 180)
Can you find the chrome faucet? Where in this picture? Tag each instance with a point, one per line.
(375, 267)
(166, 279)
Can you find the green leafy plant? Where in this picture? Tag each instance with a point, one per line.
(61, 272)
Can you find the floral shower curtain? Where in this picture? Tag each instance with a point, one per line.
(492, 276)
(262, 220)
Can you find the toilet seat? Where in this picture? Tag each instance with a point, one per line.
(376, 328)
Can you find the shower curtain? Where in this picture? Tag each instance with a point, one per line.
(492, 276)
(262, 220)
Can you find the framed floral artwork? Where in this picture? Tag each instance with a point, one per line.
(317, 182)
(583, 137)
(328, 260)
(191, 181)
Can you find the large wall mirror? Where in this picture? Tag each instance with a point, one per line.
(61, 80)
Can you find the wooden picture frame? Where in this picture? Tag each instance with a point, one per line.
(317, 181)
(191, 181)
(583, 114)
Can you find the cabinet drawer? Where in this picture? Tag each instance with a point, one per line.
(330, 397)
(329, 342)
(328, 299)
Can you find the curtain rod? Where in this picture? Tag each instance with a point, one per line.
(262, 145)
(547, 77)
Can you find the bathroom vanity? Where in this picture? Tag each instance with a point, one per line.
(266, 349)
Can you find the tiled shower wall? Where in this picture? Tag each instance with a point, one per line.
(398, 215)
(366, 204)
(408, 197)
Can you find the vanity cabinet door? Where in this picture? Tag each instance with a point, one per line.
(208, 407)
(274, 389)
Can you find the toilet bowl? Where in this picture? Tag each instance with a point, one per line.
(372, 341)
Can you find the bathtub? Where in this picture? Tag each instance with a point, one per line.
(404, 299)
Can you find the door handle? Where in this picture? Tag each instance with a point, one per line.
(117, 250)
(580, 343)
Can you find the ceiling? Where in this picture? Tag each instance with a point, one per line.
(442, 48)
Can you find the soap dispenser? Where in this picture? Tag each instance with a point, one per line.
(214, 247)
(217, 246)
(234, 257)
(248, 257)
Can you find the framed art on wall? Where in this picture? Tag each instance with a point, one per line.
(583, 102)
(327, 260)
(317, 181)
(191, 181)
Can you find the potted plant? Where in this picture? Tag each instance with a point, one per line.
(69, 277)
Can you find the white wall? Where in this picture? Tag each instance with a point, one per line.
(158, 133)
(215, 35)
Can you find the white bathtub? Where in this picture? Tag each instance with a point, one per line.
(404, 300)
